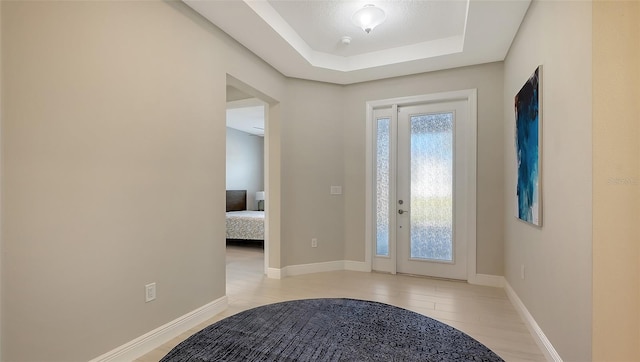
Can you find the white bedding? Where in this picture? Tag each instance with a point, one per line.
(245, 225)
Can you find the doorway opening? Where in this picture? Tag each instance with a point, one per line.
(245, 184)
(421, 185)
(256, 152)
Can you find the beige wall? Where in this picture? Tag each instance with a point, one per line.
(1, 173)
(616, 181)
(112, 141)
(487, 79)
(312, 161)
(273, 199)
(557, 257)
(323, 144)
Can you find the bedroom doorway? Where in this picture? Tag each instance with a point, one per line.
(246, 244)
(422, 185)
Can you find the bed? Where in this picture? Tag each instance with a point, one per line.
(243, 224)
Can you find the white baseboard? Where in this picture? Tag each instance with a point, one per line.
(487, 280)
(293, 270)
(157, 337)
(538, 335)
(360, 266)
(301, 269)
(274, 273)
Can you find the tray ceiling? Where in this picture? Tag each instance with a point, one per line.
(302, 39)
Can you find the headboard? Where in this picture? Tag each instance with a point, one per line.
(236, 200)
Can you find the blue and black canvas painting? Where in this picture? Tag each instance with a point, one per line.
(527, 107)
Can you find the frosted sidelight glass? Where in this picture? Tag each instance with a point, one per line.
(432, 186)
(382, 186)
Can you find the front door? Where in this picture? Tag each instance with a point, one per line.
(420, 187)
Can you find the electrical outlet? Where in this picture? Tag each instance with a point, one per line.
(522, 271)
(149, 292)
(314, 243)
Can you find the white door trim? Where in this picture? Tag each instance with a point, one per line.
(469, 95)
(271, 172)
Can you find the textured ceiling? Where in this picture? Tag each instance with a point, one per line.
(301, 38)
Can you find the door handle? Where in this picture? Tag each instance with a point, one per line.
(400, 211)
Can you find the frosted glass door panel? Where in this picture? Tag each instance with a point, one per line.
(382, 186)
(431, 222)
(431, 187)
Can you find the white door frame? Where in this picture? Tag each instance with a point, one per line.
(468, 95)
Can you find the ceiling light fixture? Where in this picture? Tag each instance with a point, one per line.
(368, 17)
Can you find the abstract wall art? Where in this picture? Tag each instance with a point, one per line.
(527, 139)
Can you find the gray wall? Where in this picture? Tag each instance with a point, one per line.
(557, 257)
(487, 79)
(112, 143)
(245, 164)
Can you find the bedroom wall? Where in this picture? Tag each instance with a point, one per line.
(557, 257)
(113, 136)
(616, 181)
(245, 164)
(487, 79)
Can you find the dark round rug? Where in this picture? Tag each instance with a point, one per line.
(330, 330)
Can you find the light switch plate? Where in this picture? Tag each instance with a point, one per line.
(336, 190)
(150, 292)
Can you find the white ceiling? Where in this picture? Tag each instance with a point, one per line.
(301, 38)
(246, 115)
(321, 24)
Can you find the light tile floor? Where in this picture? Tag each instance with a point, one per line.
(484, 313)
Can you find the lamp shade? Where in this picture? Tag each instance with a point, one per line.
(260, 196)
(368, 17)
